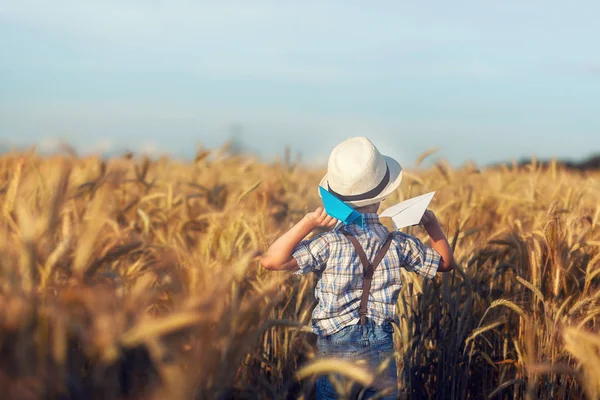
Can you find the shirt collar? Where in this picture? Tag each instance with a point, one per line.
(370, 219)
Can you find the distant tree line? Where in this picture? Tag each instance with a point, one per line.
(591, 163)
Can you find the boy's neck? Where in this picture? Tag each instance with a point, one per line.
(370, 209)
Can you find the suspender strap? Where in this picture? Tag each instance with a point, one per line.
(368, 270)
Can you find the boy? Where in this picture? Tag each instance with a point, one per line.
(358, 267)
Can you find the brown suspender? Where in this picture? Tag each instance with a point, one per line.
(368, 270)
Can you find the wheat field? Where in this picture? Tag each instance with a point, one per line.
(132, 278)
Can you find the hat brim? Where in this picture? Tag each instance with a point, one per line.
(395, 180)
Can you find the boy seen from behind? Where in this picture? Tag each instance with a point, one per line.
(358, 267)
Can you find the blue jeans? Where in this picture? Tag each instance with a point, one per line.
(371, 342)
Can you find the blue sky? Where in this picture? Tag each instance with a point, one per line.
(484, 81)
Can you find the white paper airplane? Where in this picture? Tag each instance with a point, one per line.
(409, 212)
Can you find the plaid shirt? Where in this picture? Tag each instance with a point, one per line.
(340, 278)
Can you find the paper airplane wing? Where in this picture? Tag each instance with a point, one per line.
(408, 212)
(338, 209)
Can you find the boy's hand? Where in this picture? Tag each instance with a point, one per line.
(320, 219)
(428, 218)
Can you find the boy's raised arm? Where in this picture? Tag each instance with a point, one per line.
(279, 255)
(438, 241)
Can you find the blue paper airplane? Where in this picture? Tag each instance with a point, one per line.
(340, 210)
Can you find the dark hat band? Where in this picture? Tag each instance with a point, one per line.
(368, 195)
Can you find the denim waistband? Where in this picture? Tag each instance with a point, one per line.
(358, 337)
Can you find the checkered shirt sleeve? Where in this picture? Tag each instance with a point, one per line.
(312, 255)
(416, 257)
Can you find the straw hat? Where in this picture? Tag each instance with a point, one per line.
(359, 175)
